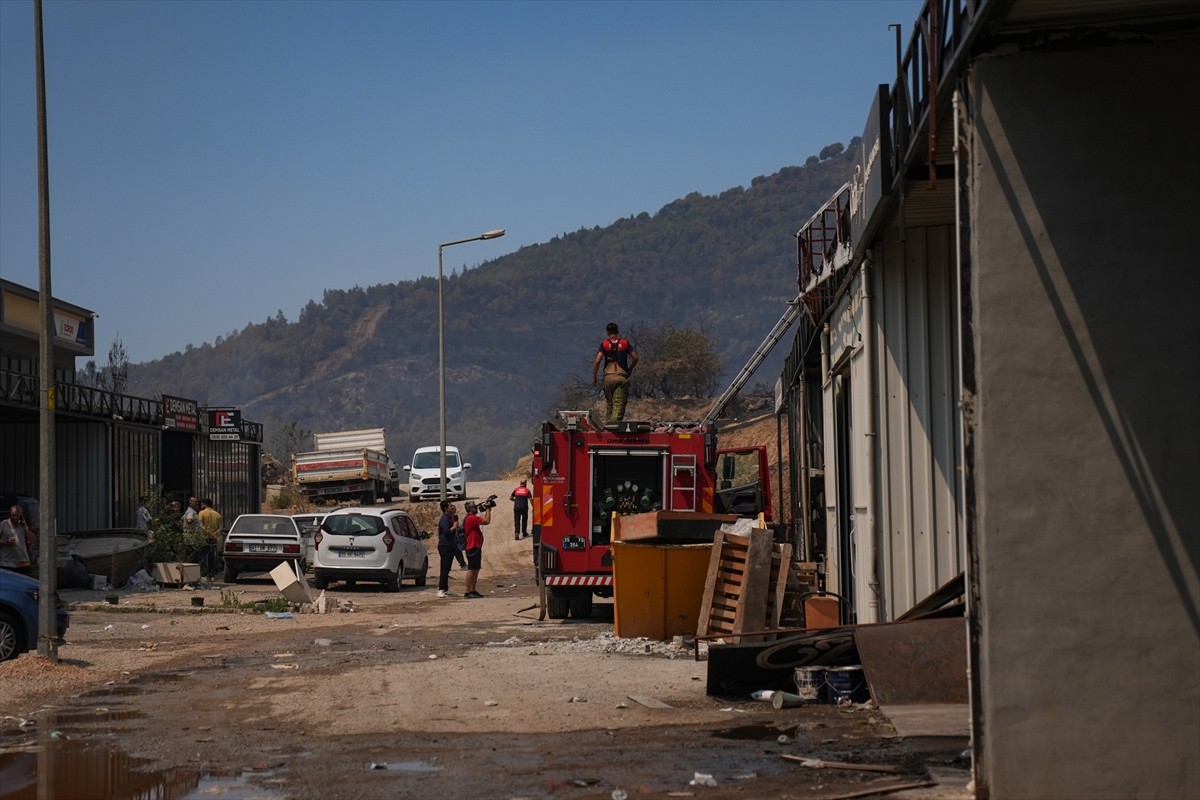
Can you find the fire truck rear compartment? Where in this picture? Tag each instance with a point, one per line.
(628, 483)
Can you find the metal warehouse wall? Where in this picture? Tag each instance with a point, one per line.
(19, 465)
(230, 477)
(1086, 435)
(135, 470)
(921, 543)
(81, 474)
(81, 469)
(892, 429)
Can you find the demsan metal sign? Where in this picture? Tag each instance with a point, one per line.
(180, 414)
(225, 424)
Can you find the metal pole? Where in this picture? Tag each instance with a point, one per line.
(47, 608)
(495, 234)
(442, 373)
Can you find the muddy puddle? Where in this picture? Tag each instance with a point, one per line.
(75, 753)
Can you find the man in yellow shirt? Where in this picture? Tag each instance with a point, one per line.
(210, 523)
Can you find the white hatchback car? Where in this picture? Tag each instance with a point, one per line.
(367, 544)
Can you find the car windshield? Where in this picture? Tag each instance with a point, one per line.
(434, 461)
(308, 524)
(353, 525)
(278, 526)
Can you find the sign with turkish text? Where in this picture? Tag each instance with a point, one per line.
(70, 327)
(225, 424)
(180, 414)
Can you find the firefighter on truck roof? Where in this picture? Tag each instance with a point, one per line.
(618, 356)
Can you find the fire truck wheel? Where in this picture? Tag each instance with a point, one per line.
(581, 606)
(557, 607)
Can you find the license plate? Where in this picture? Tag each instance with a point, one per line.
(353, 553)
(262, 548)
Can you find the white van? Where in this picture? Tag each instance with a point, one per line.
(425, 474)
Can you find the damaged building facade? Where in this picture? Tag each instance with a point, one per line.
(111, 448)
(996, 375)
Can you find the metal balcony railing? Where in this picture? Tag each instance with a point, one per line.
(21, 389)
(925, 77)
(822, 249)
(926, 73)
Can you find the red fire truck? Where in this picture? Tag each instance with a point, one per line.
(582, 474)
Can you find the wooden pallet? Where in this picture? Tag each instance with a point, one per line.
(745, 591)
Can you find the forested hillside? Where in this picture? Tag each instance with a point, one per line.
(516, 326)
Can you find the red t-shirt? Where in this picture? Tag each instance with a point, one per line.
(474, 531)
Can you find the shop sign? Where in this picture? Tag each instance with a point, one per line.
(180, 414)
(225, 424)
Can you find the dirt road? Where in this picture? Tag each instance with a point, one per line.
(409, 695)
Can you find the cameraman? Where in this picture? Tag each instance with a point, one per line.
(15, 540)
(472, 525)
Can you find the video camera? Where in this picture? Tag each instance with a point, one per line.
(484, 505)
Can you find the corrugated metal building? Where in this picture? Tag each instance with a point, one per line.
(111, 449)
(997, 374)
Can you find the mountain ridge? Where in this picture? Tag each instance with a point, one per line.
(517, 326)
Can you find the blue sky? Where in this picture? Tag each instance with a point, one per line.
(214, 162)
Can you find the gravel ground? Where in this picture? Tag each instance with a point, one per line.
(477, 697)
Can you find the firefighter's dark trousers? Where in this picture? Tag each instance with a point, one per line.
(616, 393)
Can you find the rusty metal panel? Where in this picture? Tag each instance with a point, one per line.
(922, 661)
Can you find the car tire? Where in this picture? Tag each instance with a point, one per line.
(423, 576)
(230, 573)
(321, 583)
(12, 639)
(392, 584)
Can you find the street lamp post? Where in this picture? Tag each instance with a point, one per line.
(496, 234)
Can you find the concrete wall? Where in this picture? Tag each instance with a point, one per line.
(1084, 222)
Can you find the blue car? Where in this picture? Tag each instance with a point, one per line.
(19, 615)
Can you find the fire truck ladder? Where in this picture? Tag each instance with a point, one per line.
(794, 309)
(683, 482)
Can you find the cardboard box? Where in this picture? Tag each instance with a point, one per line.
(175, 573)
(293, 587)
(99, 583)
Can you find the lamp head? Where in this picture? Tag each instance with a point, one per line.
(496, 234)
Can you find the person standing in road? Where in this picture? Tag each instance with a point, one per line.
(473, 526)
(618, 356)
(210, 522)
(192, 513)
(447, 549)
(521, 497)
(16, 539)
